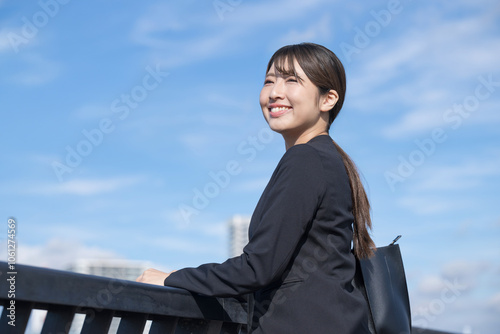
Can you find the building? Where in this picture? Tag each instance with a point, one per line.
(238, 234)
(112, 268)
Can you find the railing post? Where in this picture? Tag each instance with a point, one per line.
(97, 323)
(132, 323)
(164, 325)
(58, 320)
(22, 315)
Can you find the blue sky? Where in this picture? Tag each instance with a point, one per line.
(133, 130)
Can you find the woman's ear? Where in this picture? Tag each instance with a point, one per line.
(329, 100)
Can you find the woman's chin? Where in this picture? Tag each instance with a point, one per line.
(277, 128)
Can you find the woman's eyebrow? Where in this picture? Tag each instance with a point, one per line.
(283, 75)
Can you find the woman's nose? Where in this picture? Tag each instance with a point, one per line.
(278, 91)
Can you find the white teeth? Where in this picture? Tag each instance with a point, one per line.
(279, 109)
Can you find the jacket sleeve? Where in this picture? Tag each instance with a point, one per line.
(286, 208)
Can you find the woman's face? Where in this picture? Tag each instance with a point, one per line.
(292, 106)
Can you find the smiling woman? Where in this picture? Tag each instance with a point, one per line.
(298, 265)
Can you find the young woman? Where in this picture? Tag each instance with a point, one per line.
(298, 264)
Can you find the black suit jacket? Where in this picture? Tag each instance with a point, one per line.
(298, 263)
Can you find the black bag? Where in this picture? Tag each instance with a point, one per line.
(382, 280)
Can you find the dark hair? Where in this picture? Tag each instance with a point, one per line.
(326, 71)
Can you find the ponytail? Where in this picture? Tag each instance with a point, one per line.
(363, 243)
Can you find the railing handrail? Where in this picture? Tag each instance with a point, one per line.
(43, 288)
(64, 293)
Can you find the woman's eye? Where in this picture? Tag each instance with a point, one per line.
(293, 79)
(268, 82)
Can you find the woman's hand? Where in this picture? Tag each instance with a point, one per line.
(153, 276)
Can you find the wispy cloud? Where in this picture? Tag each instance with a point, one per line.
(36, 70)
(84, 187)
(453, 299)
(426, 204)
(445, 188)
(253, 15)
(452, 178)
(432, 115)
(253, 185)
(4, 39)
(58, 254)
(436, 57)
(319, 30)
(91, 112)
(415, 121)
(154, 29)
(183, 245)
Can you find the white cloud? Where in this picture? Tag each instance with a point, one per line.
(430, 285)
(428, 118)
(434, 66)
(36, 70)
(154, 29)
(84, 187)
(460, 47)
(494, 302)
(415, 121)
(187, 246)
(456, 298)
(251, 15)
(196, 142)
(465, 272)
(91, 112)
(216, 97)
(458, 176)
(438, 189)
(58, 254)
(211, 230)
(430, 205)
(257, 184)
(319, 30)
(4, 40)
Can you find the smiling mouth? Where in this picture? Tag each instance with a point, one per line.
(278, 111)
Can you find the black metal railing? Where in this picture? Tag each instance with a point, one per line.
(98, 300)
(64, 294)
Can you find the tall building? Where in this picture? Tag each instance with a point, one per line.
(238, 234)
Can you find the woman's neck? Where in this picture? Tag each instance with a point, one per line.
(304, 138)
